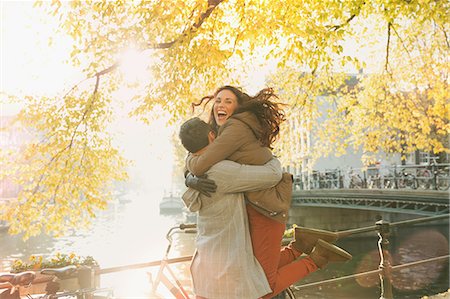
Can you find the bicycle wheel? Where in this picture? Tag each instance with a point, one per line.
(423, 179)
(289, 294)
(411, 182)
(443, 182)
(388, 183)
(401, 183)
(286, 294)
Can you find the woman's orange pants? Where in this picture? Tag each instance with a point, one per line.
(279, 263)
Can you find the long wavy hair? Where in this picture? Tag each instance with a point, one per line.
(269, 113)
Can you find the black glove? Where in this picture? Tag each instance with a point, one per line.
(202, 184)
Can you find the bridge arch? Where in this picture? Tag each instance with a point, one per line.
(336, 209)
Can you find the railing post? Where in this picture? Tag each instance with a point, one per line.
(434, 172)
(383, 228)
(395, 177)
(364, 179)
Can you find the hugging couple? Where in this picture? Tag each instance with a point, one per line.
(242, 198)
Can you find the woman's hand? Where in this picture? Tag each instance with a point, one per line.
(202, 184)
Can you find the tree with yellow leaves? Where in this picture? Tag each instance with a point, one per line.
(399, 104)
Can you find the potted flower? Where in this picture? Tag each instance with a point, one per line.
(289, 234)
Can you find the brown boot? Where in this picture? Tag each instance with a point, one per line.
(325, 252)
(306, 238)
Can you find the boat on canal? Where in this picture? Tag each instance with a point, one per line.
(170, 204)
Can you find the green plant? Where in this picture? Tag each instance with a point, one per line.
(289, 233)
(58, 260)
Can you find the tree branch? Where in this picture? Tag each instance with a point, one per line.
(411, 61)
(336, 27)
(212, 4)
(107, 70)
(403, 43)
(445, 35)
(352, 16)
(388, 42)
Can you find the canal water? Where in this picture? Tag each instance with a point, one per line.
(406, 245)
(133, 231)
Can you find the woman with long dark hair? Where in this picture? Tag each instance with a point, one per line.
(246, 128)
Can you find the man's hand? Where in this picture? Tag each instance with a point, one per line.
(204, 185)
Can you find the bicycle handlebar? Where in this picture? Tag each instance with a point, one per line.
(187, 226)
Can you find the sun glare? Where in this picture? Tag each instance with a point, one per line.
(135, 65)
(31, 64)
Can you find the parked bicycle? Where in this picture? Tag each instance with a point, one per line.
(374, 180)
(331, 179)
(406, 179)
(433, 175)
(315, 180)
(14, 282)
(53, 289)
(443, 178)
(441, 174)
(170, 281)
(389, 180)
(426, 175)
(356, 181)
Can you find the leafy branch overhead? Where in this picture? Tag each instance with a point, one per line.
(397, 100)
(165, 45)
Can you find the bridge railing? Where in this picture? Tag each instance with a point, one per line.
(384, 271)
(385, 268)
(431, 176)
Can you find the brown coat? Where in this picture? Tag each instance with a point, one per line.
(238, 141)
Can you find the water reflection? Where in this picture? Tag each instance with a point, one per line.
(420, 245)
(407, 244)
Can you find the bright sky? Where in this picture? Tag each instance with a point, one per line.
(30, 65)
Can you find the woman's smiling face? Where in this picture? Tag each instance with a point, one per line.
(225, 103)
